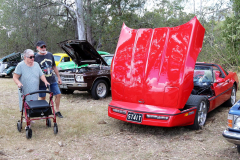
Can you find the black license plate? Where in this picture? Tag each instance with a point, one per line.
(135, 117)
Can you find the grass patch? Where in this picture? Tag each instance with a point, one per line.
(86, 132)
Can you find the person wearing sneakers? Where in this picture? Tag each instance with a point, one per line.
(46, 61)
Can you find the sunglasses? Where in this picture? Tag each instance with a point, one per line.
(43, 47)
(31, 57)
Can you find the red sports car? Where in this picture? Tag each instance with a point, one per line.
(156, 81)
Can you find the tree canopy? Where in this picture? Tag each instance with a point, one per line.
(24, 22)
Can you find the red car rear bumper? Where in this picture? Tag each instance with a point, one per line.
(173, 117)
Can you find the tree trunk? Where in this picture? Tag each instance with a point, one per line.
(76, 30)
(80, 21)
(89, 24)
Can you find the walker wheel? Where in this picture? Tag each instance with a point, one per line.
(29, 133)
(19, 126)
(48, 122)
(55, 128)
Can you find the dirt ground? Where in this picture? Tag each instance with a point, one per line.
(86, 132)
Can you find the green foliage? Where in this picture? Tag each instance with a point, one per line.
(236, 6)
(25, 22)
(228, 44)
(231, 32)
(107, 19)
(107, 33)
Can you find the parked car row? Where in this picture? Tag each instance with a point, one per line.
(154, 80)
(87, 72)
(71, 65)
(153, 83)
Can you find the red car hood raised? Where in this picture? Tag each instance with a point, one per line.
(155, 66)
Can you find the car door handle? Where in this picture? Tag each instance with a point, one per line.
(227, 81)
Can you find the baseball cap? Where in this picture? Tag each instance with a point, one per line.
(41, 43)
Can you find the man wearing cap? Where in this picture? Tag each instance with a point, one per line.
(46, 61)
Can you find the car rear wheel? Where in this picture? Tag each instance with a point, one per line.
(201, 113)
(232, 100)
(100, 89)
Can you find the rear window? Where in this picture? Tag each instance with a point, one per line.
(57, 58)
(66, 59)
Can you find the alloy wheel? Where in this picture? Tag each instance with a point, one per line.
(233, 96)
(101, 89)
(202, 113)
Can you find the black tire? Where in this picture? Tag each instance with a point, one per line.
(48, 122)
(55, 128)
(232, 100)
(19, 126)
(66, 91)
(3, 76)
(29, 133)
(201, 113)
(100, 89)
(238, 148)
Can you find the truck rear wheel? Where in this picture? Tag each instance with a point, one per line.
(100, 89)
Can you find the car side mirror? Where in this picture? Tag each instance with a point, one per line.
(220, 80)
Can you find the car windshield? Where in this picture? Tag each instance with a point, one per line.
(57, 58)
(203, 74)
(108, 59)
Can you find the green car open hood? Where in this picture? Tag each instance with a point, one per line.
(11, 57)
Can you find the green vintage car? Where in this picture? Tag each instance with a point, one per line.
(9, 63)
(72, 65)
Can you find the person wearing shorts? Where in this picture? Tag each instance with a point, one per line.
(46, 61)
